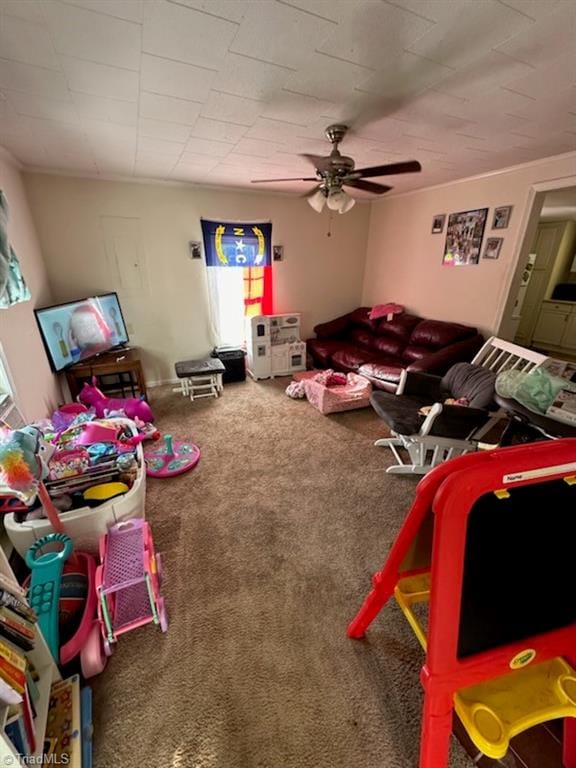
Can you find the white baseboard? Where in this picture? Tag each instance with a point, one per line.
(161, 382)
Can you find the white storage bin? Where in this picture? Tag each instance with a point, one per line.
(84, 525)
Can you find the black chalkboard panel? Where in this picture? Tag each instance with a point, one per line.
(519, 566)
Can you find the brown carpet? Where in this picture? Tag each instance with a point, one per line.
(268, 548)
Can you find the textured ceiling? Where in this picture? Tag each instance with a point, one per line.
(223, 91)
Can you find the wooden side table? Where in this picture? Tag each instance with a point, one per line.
(123, 364)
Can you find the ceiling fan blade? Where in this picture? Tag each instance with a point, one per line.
(409, 166)
(367, 186)
(321, 162)
(268, 181)
(312, 191)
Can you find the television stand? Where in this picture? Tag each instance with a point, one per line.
(117, 372)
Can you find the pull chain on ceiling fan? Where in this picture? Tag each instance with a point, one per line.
(336, 171)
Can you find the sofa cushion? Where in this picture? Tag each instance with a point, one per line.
(332, 328)
(382, 369)
(414, 352)
(362, 337)
(322, 350)
(474, 383)
(350, 358)
(361, 317)
(390, 346)
(401, 326)
(437, 333)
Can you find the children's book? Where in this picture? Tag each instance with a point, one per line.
(18, 606)
(12, 654)
(14, 677)
(28, 718)
(32, 683)
(16, 732)
(15, 637)
(17, 622)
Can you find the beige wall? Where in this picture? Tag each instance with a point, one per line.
(164, 297)
(404, 260)
(36, 388)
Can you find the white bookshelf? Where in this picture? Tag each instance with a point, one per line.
(48, 673)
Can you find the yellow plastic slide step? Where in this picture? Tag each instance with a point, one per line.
(495, 711)
(409, 591)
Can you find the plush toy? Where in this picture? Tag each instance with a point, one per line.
(24, 460)
(296, 390)
(133, 407)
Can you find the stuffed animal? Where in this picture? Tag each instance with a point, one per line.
(133, 407)
(24, 457)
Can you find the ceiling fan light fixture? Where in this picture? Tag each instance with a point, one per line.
(335, 199)
(317, 200)
(347, 204)
(339, 201)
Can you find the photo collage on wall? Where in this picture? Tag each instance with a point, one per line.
(465, 232)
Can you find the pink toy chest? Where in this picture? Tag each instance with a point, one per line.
(347, 397)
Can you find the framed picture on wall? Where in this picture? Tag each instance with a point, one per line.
(277, 253)
(464, 237)
(502, 217)
(492, 247)
(438, 224)
(195, 248)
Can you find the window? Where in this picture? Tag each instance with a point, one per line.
(5, 383)
(9, 413)
(238, 258)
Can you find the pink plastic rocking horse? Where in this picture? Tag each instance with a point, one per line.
(133, 407)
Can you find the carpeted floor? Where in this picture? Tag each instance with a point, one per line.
(268, 548)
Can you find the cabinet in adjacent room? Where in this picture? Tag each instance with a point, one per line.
(556, 325)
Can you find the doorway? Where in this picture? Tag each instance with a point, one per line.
(541, 309)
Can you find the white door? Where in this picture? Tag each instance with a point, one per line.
(547, 244)
(550, 327)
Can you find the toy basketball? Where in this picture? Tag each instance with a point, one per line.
(171, 458)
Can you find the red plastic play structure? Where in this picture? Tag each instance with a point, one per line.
(490, 541)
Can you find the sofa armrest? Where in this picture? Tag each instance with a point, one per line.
(336, 327)
(458, 421)
(422, 385)
(439, 362)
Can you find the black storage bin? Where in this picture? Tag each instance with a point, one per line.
(233, 360)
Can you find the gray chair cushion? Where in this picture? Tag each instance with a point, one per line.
(205, 366)
(474, 383)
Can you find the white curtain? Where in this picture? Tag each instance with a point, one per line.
(226, 292)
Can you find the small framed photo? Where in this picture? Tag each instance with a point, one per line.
(195, 247)
(438, 224)
(277, 253)
(492, 247)
(502, 217)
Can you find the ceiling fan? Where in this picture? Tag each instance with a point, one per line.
(336, 171)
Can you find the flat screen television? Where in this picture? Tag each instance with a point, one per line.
(81, 329)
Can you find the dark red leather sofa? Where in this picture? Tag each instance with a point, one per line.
(380, 349)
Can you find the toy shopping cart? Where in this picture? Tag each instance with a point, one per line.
(128, 581)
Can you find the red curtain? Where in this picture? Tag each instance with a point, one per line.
(257, 291)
